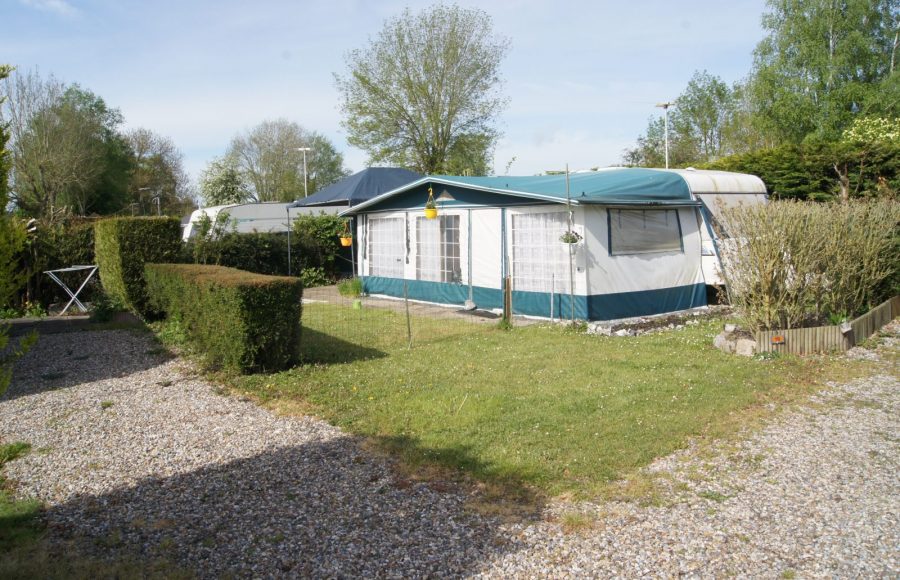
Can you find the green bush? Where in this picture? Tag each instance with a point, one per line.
(793, 264)
(350, 287)
(123, 245)
(240, 320)
(312, 248)
(55, 246)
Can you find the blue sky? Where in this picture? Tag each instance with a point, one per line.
(582, 77)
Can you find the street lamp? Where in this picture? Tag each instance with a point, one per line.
(305, 187)
(665, 107)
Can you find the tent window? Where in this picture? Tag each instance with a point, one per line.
(437, 249)
(540, 262)
(643, 231)
(387, 247)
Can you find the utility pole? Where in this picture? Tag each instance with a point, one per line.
(305, 186)
(665, 107)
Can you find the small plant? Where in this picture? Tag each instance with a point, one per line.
(350, 288)
(570, 237)
(713, 496)
(7, 312)
(12, 451)
(34, 310)
(836, 318)
(103, 308)
(315, 276)
(505, 324)
(106, 405)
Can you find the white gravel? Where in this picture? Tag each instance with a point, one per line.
(135, 452)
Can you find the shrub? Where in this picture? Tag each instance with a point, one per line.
(350, 287)
(311, 249)
(791, 264)
(122, 247)
(240, 320)
(59, 245)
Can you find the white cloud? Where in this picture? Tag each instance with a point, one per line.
(60, 7)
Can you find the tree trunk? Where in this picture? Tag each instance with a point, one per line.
(843, 174)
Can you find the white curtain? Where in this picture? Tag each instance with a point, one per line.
(643, 231)
(540, 261)
(387, 246)
(428, 249)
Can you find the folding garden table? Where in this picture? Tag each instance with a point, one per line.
(53, 275)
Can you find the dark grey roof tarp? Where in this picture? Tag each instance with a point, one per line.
(359, 187)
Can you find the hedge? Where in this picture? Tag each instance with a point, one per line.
(239, 320)
(123, 245)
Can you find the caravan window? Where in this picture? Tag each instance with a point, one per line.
(387, 246)
(437, 249)
(643, 231)
(540, 262)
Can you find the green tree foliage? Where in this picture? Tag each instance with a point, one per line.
(12, 232)
(700, 124)
(157, 170)
(67, 153)
(823, 65)
(425, 93)
(271, 166)
(821, 62)
(12, 240)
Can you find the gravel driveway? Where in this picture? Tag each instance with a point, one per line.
(136, 453)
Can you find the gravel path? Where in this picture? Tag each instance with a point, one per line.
(135, 452)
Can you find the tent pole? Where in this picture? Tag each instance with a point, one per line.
(288, 210)
(571, 249)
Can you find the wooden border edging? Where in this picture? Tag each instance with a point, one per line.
(821, 339)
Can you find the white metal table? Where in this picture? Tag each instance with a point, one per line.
(74, 296)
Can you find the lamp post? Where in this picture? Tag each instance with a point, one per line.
(305, 186)
(665, 107)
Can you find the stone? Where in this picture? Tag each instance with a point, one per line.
(745, 347)
(729, 328)
(600, 328)
(722, 343)
(624, 332)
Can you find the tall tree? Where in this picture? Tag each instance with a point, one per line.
(700, 124)
(157, 170)
(12, 234)
(67, 152)
(221, 183)
(821, 63)
(427, 90)
(271, 164)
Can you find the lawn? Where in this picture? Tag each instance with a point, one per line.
(540, 406)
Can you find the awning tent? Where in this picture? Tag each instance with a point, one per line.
(641, 240)
(359, 187)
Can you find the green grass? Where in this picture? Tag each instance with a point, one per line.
(18, 524)
(537, 406)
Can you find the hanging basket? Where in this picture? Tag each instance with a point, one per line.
(570, 237)
(431, 211)
(346, 237)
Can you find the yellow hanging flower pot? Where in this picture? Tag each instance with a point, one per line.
(346, 237)
(431, 211)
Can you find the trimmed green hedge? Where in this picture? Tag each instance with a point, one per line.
(243, 321)
(121, 248)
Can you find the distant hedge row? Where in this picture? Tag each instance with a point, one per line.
(121, 248)
(243, 321)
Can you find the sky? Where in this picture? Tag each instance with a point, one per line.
(582, 76)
